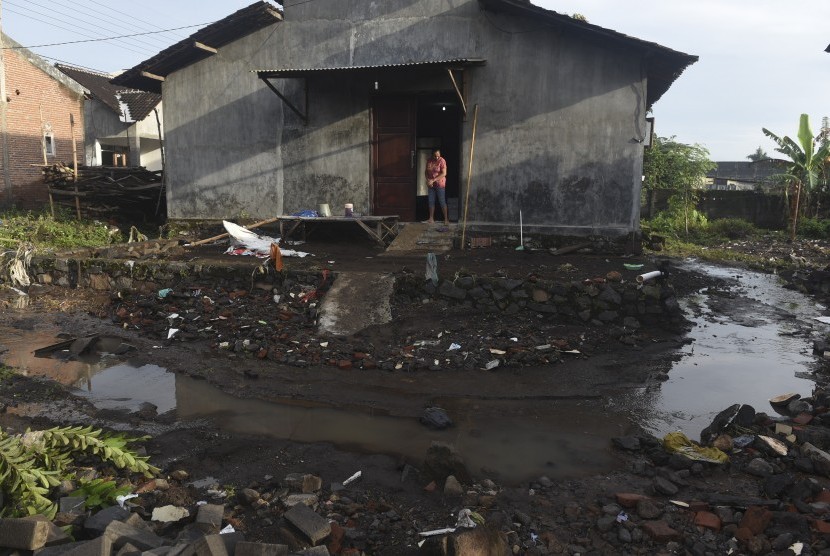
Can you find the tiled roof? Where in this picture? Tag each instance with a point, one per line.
(138, 104)
(99, 86)
(186, 52)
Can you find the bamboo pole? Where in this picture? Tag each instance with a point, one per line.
(163, 189)
(469, 177)
(222, 236)
(45, 160)
(75, 165)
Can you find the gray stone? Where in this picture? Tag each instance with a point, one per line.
(647, 509)
(210, 545)
(540, 296)
(96, 547)
(309, 523)
(453, 487)
(435, 418)
(606, 523)
(23, 534)
(56, 535)
(610, 295)
(542, 308)
(624, 535)
(249, 496)
(300, 499)
(260, 549)
(820, 458)
(315, 551)
(448, 289)
(98, 522)
(664, 486)
(630, 443)
(209, 517)
(60, 550)
(120, 534)
(130, 550)
(442, 460)
(72, 505)
(759, 467)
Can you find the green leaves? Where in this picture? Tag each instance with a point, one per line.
(31, 464)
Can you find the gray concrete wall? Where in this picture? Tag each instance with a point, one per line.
(557, 129)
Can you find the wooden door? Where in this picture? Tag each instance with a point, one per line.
(393, 156)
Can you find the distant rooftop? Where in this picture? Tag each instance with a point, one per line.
(134, 105)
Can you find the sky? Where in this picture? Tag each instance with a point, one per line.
(762, 62)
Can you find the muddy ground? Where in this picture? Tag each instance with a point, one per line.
(385, 509)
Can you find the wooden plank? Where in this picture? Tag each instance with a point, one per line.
(206, 48)
(222, 236)
(152, 76)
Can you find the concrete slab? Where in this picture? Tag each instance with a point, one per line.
(416, 238)
(355, 301)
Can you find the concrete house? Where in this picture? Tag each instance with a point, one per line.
(337, 101)
(122, 127)
(37, 104)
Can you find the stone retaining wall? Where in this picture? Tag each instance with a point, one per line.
(599, 300)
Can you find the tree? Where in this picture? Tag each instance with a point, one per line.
(808, 159)
(678, 167)
(759, 155)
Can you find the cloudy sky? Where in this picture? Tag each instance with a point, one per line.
(762, 63)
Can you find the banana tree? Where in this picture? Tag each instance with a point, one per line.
(807, 163)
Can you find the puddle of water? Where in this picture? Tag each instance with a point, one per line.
(515, 439)
(566, 440)
(730, 362)
(126, 387)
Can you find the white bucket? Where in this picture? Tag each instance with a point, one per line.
(323, 209)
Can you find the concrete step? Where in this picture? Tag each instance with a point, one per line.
(419, 238)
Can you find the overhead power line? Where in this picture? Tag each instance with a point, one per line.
(105, 38)
(89, 31)
(133, 18)
(105, 24)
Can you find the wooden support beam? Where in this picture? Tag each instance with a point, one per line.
(152, 76)
(206, 48)
(458, 90)
(287, 102)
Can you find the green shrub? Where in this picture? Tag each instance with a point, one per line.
(731, 228)
(814, 228)
(62, 231)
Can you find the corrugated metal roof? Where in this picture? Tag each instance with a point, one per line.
(296, 72)
(664, 65)
(184, 53)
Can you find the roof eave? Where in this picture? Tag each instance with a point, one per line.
(149, 74)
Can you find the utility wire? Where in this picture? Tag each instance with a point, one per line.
(101, 39)
(74, 31)
(74, 65)
(113, 23)
(152, 25)
(95, 33)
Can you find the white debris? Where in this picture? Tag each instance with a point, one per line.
(253, 244)
(353, 478)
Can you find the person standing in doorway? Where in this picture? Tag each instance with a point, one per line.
(436, 175)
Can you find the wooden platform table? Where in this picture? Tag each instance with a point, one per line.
(382, 229)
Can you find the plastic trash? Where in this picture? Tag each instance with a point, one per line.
(491, 365)
(353, 478)
(432, 269)
(165, 292)
(308, 213)
(679, 443)
(124, 498)
(276, 257)
(246, 242)
(621, 517)
(434, 532)
(743, 441)
(172, 332)
(465, 519)
(227, 529)
(454, 346)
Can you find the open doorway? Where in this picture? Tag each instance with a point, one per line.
(438, 125)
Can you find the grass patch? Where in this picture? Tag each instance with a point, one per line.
(61, 232)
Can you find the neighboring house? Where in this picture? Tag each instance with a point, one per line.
(745, 176)
(36, 104)
(348, 95)
(122, 127)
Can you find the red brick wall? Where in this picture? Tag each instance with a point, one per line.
(29, 90)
